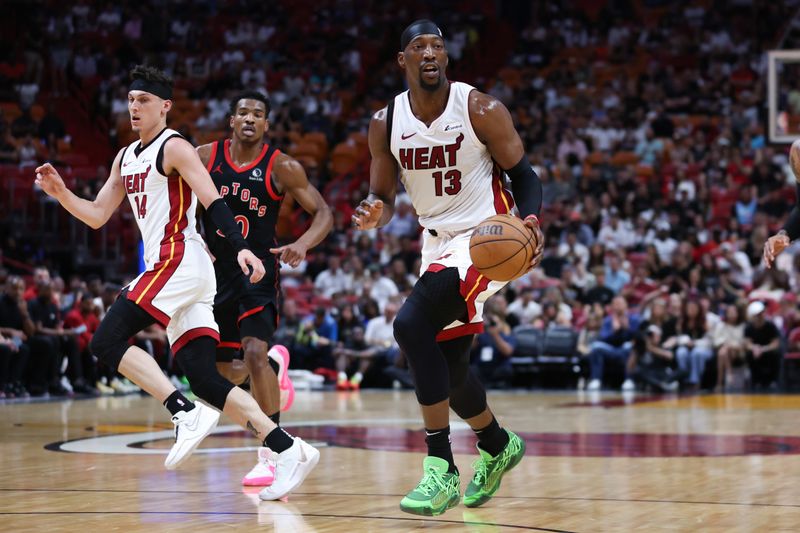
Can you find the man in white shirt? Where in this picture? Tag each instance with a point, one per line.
(573, 250)
(334, 279)
(617, 232)
(524, 308)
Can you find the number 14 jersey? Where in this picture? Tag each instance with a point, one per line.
(447, 171)
(164, 206)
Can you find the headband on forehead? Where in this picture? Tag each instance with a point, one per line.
(161, 90)
(417, 28)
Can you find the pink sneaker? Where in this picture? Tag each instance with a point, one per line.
(263, 474)
(280, 354)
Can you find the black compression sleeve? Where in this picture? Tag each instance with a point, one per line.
(222, 217)
(527, 188)
(792, 225)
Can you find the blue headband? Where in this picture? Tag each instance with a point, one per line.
(417, 28)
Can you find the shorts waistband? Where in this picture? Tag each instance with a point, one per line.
(445, 234)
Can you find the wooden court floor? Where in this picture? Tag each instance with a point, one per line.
(603, 463)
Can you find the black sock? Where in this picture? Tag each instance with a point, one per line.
(492, 439)
(177, 402)
(274, 364)
(438, 441)
(276, 417)
(278, 440)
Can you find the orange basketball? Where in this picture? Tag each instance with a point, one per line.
(502, 247)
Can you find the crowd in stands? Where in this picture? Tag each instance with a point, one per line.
(645, 126)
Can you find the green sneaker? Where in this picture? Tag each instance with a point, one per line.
(437, 492)
(489, 471)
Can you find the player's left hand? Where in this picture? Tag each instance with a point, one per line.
(291, 254)
(533, 224)
(248, 260)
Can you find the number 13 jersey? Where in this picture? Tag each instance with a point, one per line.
(447, 171)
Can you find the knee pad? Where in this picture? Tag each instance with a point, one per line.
(469, 399)
(435, 300)
(123, 320)
(198, 361)
(108, 348)
(456, 353)
(467, 394)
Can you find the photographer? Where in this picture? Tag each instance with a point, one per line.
(492, 349)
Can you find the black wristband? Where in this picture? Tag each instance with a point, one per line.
(222, 217)
(526, 187)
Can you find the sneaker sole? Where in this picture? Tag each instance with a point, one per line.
(192, 445)
(284, 381)
(430, 511)
(258, 481)
(488, 496)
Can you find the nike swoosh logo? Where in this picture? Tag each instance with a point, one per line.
(404, 136)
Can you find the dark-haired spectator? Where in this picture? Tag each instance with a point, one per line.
(316, 337)
(600, 293)
(615, 276)
(17, 327)
(652, 364)
(614, 344)
(692, 343)
(51, 127)
(333, 279)
(82, 320)
(24, 125)
(762, 342)
(49, 343)
(728, 341)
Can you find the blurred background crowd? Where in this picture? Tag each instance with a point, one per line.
(644, 119)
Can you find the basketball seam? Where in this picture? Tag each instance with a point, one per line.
(523, 247)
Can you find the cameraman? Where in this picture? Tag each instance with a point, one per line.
(492, 349)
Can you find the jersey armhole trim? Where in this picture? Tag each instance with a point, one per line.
(389, 118)
(160, 156)
(268, 178)
(470, 129)
(122, 159)
(213, 156)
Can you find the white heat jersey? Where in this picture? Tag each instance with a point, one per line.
(164, 206)
(447, 171)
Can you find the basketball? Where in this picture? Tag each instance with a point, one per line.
(502, 247)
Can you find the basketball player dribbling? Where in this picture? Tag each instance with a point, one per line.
(163, 178)
(447, 140)
(253, 177)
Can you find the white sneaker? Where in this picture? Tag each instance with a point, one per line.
(263, 474)
(190, 429)
(293, 465)
(593, 385)
(628, 384)
(118, 386)
(130, 386)
(104, 389)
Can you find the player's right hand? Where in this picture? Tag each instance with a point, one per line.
(774, 246)
(49, 180)
(538, 254)
(247, 260)
(368, 214)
